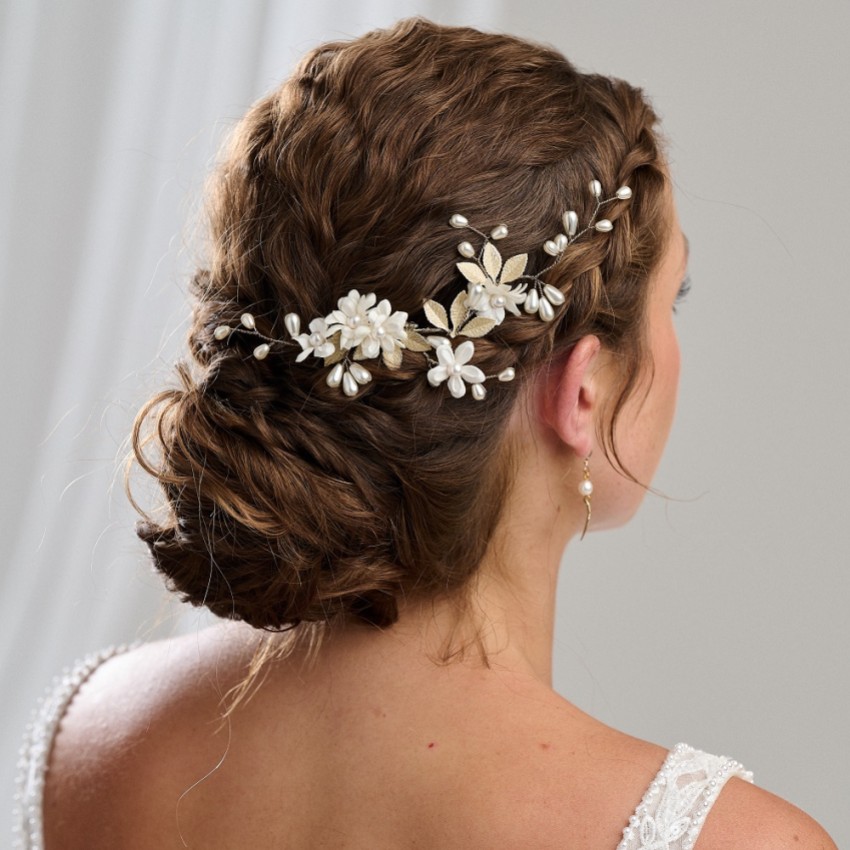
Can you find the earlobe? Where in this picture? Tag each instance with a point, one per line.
(569, 401)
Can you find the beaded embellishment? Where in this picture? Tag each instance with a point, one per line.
(359, 329)
(673, 809)
(28, 831)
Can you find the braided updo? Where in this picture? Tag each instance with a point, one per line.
(288, 502)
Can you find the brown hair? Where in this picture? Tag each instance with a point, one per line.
(288, 502)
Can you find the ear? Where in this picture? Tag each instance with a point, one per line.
(569, 397)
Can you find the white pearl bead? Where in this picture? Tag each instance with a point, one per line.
(248, 321)
(354, 321)
(457, 368)
(334, 378)
(499, 232)
(555, 296)
(551, 248)
(380, 330)
(221, 332)
(603, 225)
(532, 300)
(624, 193)
(507, 374)
(293, 323)
(570, 222)
(316, 340)
(349, 385)
(466, 249)
(458, 220)
(478, 392)
(499, 300)
(561, 241)
(477, 289)
(585, 487)
(596, 187)
(361, 374)
(546, 311)
(261, 351)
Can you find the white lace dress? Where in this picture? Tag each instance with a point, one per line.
(669, 817)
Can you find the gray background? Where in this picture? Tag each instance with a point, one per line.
(718, 616)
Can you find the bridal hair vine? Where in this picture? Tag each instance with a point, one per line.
(361, 330)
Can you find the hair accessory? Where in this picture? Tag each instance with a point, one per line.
(585, 489)
(361, 330)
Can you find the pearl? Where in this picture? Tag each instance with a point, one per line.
(458, 220)
(499, 232)
(466, 249)
(570, 222)
(457, 368)
(334, 378)
(221, 332)
(261, 351)
(478, 392)
(248, 321)
(293, 323)
(361, 374)
(477, 289)
(555, 296)
(551, 248)
(354, 321)
(561, 241)
(316, 339)
(546, 310)
(380, 330)
(596, 187)
(349, 385)
(499, 300)
(532, 300)
(624, 193)
(603, 225)
(507, 374)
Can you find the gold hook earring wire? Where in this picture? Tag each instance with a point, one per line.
(585, 489)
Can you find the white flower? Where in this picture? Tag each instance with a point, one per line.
(488, 293)
(351, 318)
(386, 332)
(454, 366)
(315, 342)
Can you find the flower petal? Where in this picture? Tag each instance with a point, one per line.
(472, 374)
(456, 386)
(463, 352)
(437, 375)
(445, 355)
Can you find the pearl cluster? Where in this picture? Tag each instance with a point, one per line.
(672, 812)
(34, 754)
(361, 330)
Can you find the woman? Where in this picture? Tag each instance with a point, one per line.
(432, 345)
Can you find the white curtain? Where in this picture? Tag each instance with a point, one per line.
(723, 621)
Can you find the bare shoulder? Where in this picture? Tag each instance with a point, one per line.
(114, 739)
(745, 815)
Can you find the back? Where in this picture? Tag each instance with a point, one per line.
(353, 752)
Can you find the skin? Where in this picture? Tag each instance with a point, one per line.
(376, 746)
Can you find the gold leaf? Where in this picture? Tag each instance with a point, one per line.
(478, 326)
(436, 313)
(392, 359)
(514, 267)
(458, 310)
(358, 353)
(492, 260)
(416, 342)
(338, 352)
(472, 272)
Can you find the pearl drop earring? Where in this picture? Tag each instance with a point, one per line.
(585, 489)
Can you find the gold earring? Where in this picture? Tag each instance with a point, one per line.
(585, 489)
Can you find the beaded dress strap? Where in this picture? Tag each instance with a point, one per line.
(675, 805)
(38, 740)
